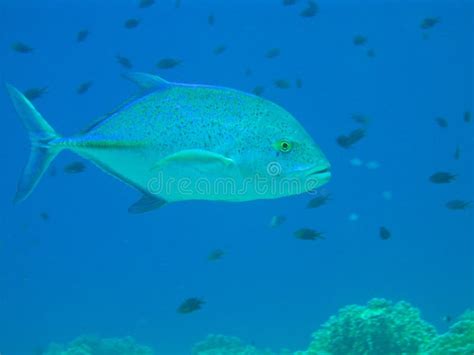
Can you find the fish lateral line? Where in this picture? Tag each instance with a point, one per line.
(72, 143)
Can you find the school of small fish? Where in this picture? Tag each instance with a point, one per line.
(214, 161)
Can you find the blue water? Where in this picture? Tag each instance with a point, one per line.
(93, 268)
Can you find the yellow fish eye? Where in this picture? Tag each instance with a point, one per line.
(284, 146)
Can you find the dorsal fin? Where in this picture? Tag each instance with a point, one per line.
(147, 81)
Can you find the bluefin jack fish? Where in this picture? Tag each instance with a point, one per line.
(175, 142)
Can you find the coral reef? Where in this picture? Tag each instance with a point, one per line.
(226, 345)
(91, 345)
(381, 327)
(459, 340)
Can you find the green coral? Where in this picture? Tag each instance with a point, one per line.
(381, 327)
(215, 344)
(91, 345)
(459, 340)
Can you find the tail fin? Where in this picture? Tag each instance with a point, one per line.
(41, 135)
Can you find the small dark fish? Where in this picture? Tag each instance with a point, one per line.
(215, 255)
(299, 83)
(370, 53)
(282, 84)
(248, 72)
(211, 19)
(273, 53)
(467, 116)
(82, 35)
(429, 22)
(359, 40)
(168, 63)
(131, 23)
(319, 201)
(258, 90)
(21, 47)
(442, 177)
(190, 305)
(360, 118)
(311, 9)
(442, 122)
(124, 62)
(447, 318)
(277, 221)
(84, 87)
(457, 153)
(220, 49)
(145, 3)
(384, 233)
(177, 4)
(458, 204)
(289, 2)
(44, 216)
(308, 234)
(35, 93)
(75, 168)
(351, 139)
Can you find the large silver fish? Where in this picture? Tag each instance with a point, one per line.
(175, 142)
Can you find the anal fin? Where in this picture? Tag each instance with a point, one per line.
(146, 203)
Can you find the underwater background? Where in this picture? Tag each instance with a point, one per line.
(73, 261)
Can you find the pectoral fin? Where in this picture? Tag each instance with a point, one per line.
(146, 203)
(202, 160)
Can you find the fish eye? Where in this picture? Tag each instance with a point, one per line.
(284, 146)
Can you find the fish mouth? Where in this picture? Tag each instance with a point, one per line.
(323, 173)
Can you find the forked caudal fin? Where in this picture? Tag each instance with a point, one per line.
(41, 136)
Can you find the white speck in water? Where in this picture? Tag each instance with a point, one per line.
(372, 165)
(356, 162)
(353, 217)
